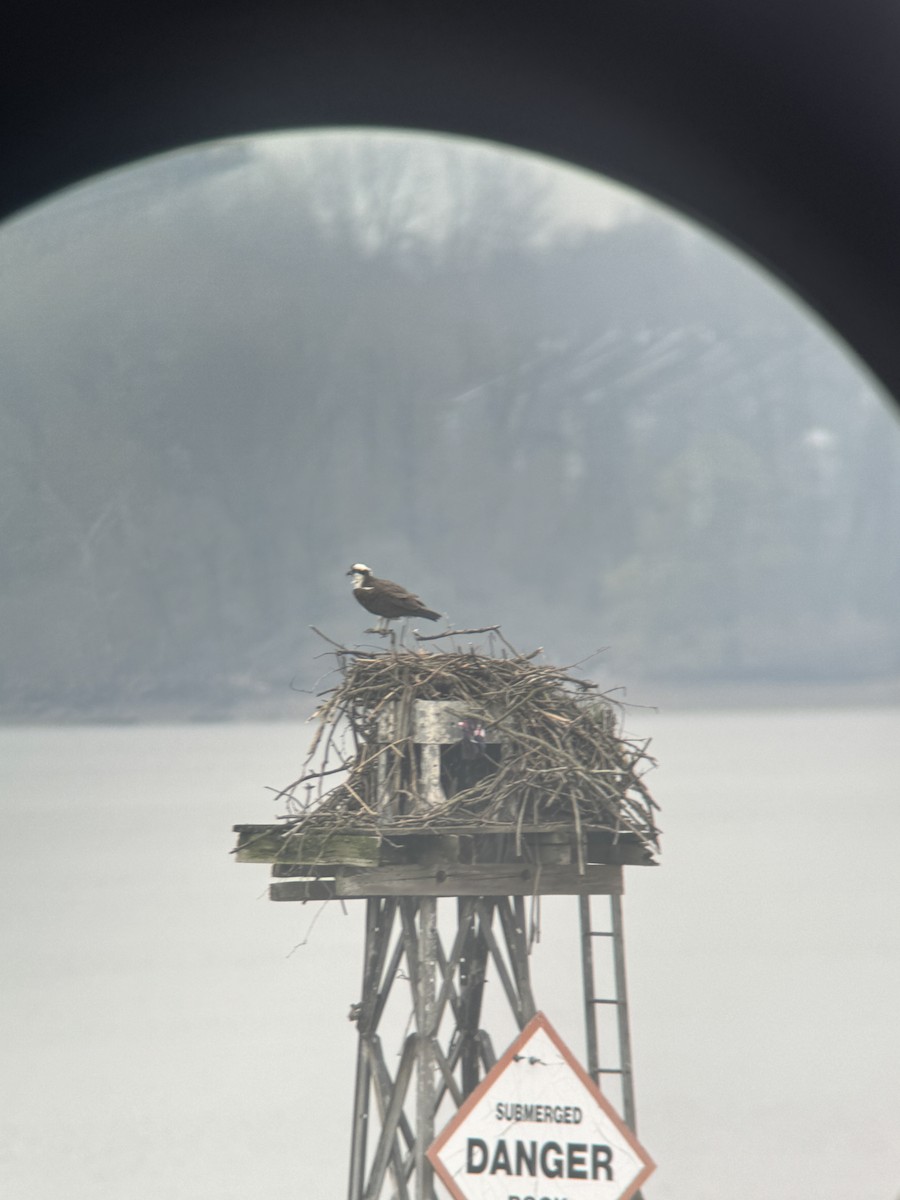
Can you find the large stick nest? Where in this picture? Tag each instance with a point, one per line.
(554, 753)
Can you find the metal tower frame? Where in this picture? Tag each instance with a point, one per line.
(404, 931)
(402, 867)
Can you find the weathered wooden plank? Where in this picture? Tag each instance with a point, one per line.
(496, 879)
(429, 771)
(303, 889)
(391, 1118)
(317, 850)
(425, 1049)
(409, 828)
(485, 909)
(436, 722)
(259, 843)
(310, 870)
(276, 845)
(433, 849)
(382, 1081)
(560, 849)
(552, 849)
(512, 917)
(600, 849)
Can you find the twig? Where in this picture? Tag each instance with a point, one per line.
(434, 637)
(331, 641)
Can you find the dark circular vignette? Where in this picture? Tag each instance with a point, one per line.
(777, 126)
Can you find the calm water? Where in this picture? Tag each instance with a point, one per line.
(168, 1032)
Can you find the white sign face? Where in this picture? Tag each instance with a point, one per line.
(537, 1128)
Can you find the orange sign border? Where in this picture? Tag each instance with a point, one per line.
(538, 1021)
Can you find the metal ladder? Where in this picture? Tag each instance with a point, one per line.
(615, 995)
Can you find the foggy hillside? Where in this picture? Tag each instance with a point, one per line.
(226, 375)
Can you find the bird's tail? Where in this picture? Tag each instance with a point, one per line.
(426, 612)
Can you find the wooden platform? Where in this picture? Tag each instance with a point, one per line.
(317, 864)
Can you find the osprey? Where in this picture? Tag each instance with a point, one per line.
(385, 599)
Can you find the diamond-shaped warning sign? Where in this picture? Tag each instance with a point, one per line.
(538, 1126)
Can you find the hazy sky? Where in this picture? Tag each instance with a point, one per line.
(250, 296)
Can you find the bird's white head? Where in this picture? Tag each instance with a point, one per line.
(360, 573)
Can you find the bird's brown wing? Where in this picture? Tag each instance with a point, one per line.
(392, 595)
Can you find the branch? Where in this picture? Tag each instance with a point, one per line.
(433, 637)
